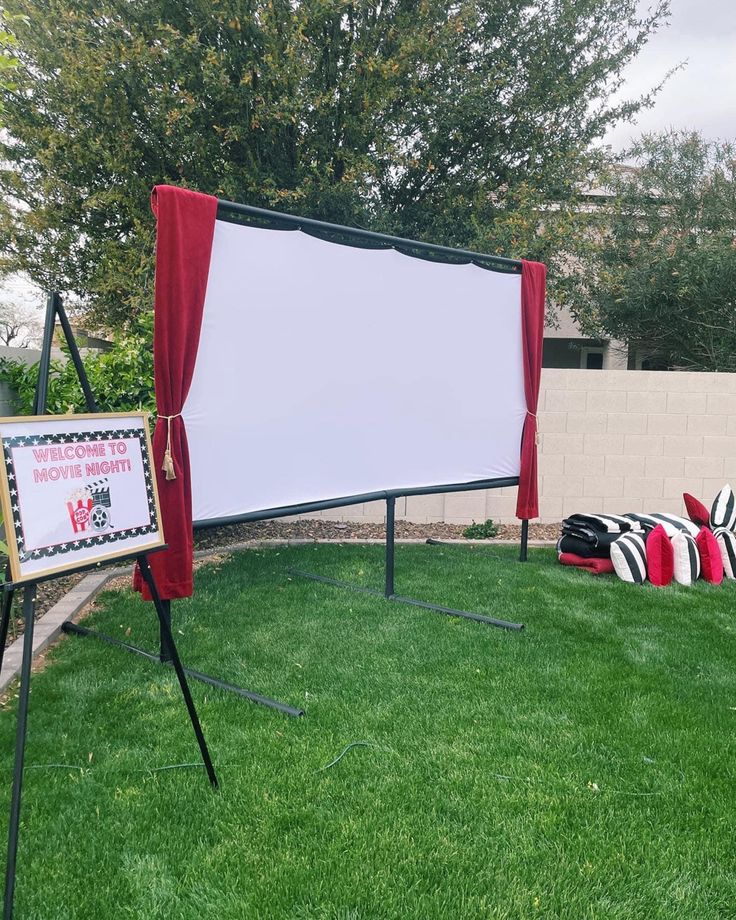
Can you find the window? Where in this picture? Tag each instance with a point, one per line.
(591, 359)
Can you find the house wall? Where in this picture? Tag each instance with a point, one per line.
(610, 440)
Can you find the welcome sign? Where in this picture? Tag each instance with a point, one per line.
(75, 490)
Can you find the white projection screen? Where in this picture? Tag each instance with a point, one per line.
(327, 371)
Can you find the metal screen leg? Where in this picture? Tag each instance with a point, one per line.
(29, 604)
(390, 544)
(177, 665)
(524, 540)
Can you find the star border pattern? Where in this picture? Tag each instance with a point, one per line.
(47, 440)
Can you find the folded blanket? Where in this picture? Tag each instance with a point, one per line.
(594, 566)
(672, 523)
(602, 523)
(598, 546)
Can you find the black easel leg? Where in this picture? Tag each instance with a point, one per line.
(29, 604)
(165, 654)
(177, 665)
(390, 544)
(76, 357)
(524, 540)
(44, 362)
(5, 622)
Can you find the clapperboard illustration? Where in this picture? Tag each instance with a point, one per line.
(90, 507)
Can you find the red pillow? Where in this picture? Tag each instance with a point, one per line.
(660, 557)
(696, 511)
(711, 563)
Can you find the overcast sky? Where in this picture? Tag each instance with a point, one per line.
(703, 94)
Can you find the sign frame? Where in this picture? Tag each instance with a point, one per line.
(7, 469)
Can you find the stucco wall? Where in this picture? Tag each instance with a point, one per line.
(611, 440)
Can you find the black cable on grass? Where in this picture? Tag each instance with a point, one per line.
(344, 751)
(178, 766)
(353, 744)
(88, 769)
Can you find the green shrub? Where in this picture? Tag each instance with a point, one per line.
(121, 379)
(481, 531)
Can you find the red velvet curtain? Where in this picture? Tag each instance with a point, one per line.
(533, 279)
(185, 226)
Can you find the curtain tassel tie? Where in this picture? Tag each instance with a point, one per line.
(168, 465)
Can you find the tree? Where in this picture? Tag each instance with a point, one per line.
(660, 271)
(19, 326)
(8, 60)
(451, 121)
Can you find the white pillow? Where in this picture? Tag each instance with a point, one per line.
(687, 559)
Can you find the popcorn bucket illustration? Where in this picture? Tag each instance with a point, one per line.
(79, 513)
(91, 505)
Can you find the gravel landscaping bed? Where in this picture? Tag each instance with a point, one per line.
(338, 530)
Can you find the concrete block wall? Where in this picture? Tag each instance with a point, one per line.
(610, 440)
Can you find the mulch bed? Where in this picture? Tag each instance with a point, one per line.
(317, 529)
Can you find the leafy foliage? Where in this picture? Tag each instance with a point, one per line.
(8, 60)
(121, 379)
(481, 531)
(660, 271)
(453, 122)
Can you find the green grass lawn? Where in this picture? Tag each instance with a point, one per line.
(584, 768)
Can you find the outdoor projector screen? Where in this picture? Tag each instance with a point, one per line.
(326, 371)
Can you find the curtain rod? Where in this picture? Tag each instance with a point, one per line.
(231, 207)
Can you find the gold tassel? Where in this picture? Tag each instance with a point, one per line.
(536, 428)
(168, 465)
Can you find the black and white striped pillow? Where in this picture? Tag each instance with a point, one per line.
(629, 558)
(607, 523)
(672, 523)
(723, 512)
(687, 559)
(726, 540)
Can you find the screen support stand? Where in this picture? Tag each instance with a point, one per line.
(524, 540)
(29, 611)
(388, 592)
(54, 310)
